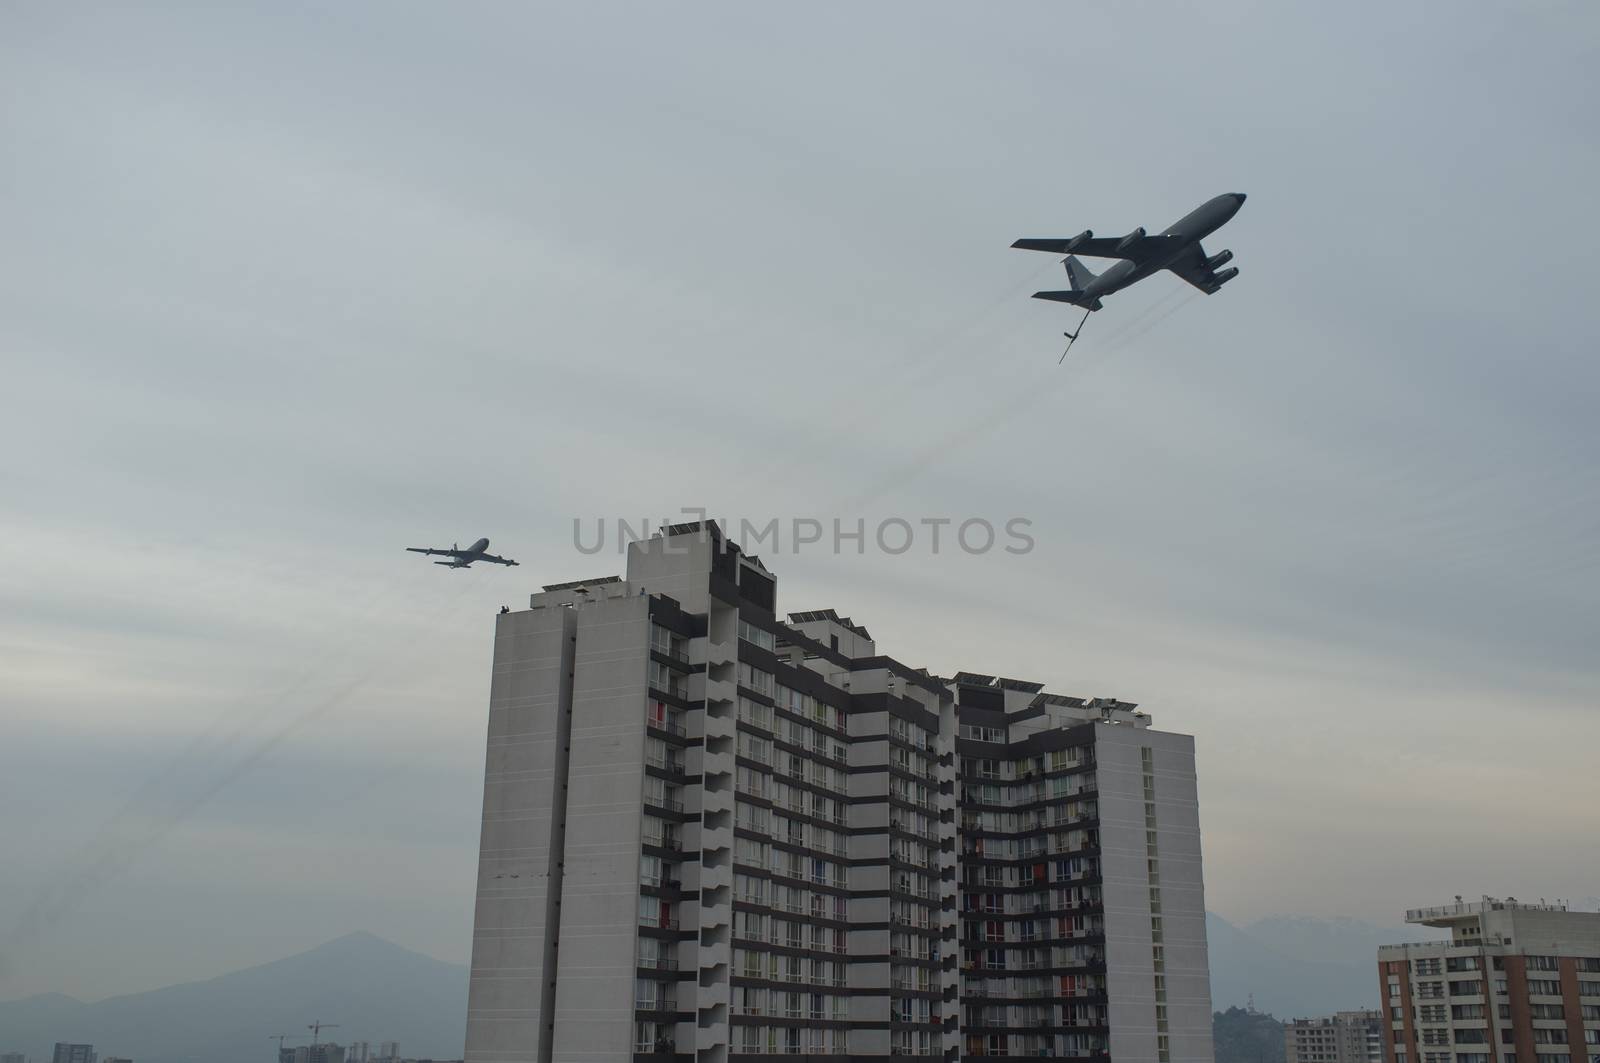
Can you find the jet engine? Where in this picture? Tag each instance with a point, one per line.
(1225, 276)
(1221, 258)
(1079, 240)
(1131, 239)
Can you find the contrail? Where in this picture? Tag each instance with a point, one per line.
(928, 358)
(218, 736)
(1029, 395)
(116, 846)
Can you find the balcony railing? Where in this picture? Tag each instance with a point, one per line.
(666, 725)
(658, 963)
(663, 763)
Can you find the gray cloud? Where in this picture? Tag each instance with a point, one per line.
(283, 291)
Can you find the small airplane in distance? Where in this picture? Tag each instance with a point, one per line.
(460, 558)
(1177, 249)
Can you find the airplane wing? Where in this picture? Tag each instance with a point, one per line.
(430, 550)
(1192, 268)
(1097, 246)
(496, 560)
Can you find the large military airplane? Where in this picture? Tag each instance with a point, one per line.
(1178, 249)
(460, 558)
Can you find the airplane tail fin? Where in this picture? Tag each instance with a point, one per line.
(1078, 273)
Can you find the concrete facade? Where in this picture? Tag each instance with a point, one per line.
(713, 835)
(1344, 1037)
(1516, 983)
(1091, 889)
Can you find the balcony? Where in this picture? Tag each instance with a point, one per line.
(666, 727)
(657, 963)
(666, 764)
(675, 653)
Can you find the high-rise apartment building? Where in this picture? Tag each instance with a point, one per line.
(13, 1057)
(1082, 908)
(1515, 983)
(1344, 1037)
(70, 1053)
(709, 833)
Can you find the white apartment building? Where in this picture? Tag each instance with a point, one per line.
(710, 834)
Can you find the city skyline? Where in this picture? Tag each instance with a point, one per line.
(286, 292)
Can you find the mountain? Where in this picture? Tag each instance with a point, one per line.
(1296, 966)
(374, 989)
(378, 991)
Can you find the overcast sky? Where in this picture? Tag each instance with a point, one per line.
(286, 289)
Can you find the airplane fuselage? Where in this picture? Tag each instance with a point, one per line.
(1189, 230)
(459, 558)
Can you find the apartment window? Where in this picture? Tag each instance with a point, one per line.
(1542, 963)
(653, 1037)
(662, 678)
(755, 679)
(665, 642)
(657, 954)
(654, 871)
(656, 913)
(1549, 987)
(753, 748)
(650, 995)
(755, 636)
(755, 714)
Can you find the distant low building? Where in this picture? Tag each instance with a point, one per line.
(68, 1053)
(115, 1059)
(1515, 983)
(1344, 1037)
(323, 1053)
(13, 1057)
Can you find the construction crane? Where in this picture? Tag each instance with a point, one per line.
(317, 1027)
